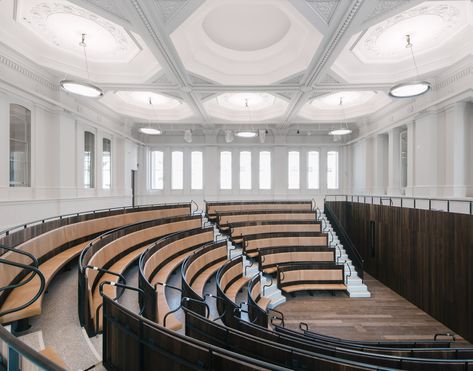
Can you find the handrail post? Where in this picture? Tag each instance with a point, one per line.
(13, 359)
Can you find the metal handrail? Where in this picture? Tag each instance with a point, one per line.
(448, 334)
(35, 263)
(249, 265)
(38, 293)
(186, 299)
(196, 207)
(225, 307)
(137, 289)
(281, 318)
(362, 198)
(267, 285)
(348, 275)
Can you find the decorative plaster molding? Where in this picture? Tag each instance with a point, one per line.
(457, 76)
(109, 6)
(384, 6)
(27, 73)
(324, 8)
(169, 8)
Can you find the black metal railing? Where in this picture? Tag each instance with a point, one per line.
(347, 243)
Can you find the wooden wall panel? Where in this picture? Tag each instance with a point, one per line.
(425, 256)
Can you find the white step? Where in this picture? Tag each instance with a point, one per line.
(276, 300)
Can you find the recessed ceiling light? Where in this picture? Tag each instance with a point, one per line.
(150, 131)
(410, 89)
(81, 88)
(340, 132)
(246, 134)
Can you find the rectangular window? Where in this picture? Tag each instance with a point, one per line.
(403, 153)
(293, 170)
(106, 163)
(265, 170)
(177, 168)
(245, 170)
(89, 160)
(313, 170)
(332, 170)
(196, 170)
(225, 170)
(20, 146)
(157, 170)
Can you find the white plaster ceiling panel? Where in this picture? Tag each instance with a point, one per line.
(147, 105)
(354, 104)
(246, 41)
(49, 32)
(246, 106)
(439, 33)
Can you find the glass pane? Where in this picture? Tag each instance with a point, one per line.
(332, 170)
(196, 170)
(265, 170)
(177, 167)
(89, 160)
(293, 170)
(107, 163)
(157, 170)
(403, 152)
(245, 170)
(313, 170)
(225, 170)
(20, 143)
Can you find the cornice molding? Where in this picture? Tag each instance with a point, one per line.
(14, 65)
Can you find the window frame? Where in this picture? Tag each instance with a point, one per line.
(104, 139)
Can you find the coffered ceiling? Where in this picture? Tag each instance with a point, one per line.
(260, 63)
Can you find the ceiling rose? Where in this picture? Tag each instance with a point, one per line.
(61, 23)
(148, 100)
(350, 99)
(428, 23)
(246, 28)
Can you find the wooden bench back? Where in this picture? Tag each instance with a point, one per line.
(224, 220)
(307, 273)
(273, 228)
(173, 248)
(297, 256)
(48, 243)
(214, 208)
(121, 245)
(256, 291)
(229, 275)
(273, 241)
(196, 266)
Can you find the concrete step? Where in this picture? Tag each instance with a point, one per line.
(277, 300)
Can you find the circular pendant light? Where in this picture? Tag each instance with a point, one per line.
(82, 88)
(150, 131)
(410, 89)
(339, 132)
(246, 134)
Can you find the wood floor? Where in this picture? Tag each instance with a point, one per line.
(384, 316)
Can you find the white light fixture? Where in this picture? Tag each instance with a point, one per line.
(82, 88)
(188, 136)
(410, 89)
(340, 132)
(150, 131)
(228, 136)
(246, 134)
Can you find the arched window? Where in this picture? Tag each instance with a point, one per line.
(20, 146)
(89, 160)
(106, 163)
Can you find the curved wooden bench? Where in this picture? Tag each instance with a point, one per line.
(226, 218)
(203, 265)
(238, 230)
(159, 261)
(115, 252)
(311, 276)
(214, 207)
(55, 247)
(253, 243)
(270, 258)
(255, 293)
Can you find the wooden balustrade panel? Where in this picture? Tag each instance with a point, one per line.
(425, 256)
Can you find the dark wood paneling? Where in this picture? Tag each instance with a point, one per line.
(425, 256)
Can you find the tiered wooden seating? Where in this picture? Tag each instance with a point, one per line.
(55, 243)
(311, 276)
(238, 230)
(212, 208)
(224, 219)
(157, 264)
(230, 281)
(197, 270)
(270, 258)
(117, 250)
(253, 243)
(257, 303)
